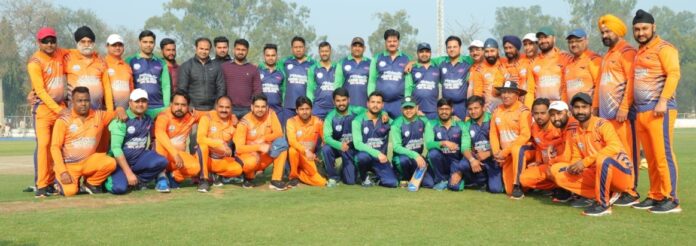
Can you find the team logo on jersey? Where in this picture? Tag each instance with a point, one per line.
(262, 76)
(407, 133)
(581, 146)
(497, 120)
(320, 75)
(299, 133)
(439, 135)
(171, 128)
(49, 70)
(347, 67)
(488, 76)
(213, 129)
(111, 71)
(461, 70)
(444, 70)
(252, 132)
(136, 66)
(418, 75)
(290, 66)
(473, 133)
(537, 140)
(382, 63)
(339, 128)
(366, 130)
(523, 72)
(131, 130)
(537, 68)
(76, 68)
(73, 127)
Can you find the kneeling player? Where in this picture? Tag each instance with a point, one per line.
(371, 136)
(444, 142)
(303, 131)
(338, 140)
(407, 134)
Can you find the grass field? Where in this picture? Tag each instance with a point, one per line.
(347, 215)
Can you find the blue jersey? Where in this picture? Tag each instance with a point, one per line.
(296, 79)
(455, 79)
(341, 128)
(370, 136)
(480, 134)
(411, 133)
(320, 89)
(271, 83)
(453, 134)
(354, 77)
(389, 76)
(152, 76)
(136, 137)
(426, 83)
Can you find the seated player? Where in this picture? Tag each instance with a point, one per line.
(407, 134)
(73, 147)
(444, 143)
(338, 140)
(371, 136)
(215, 131)
(137, 164)
(303, 131)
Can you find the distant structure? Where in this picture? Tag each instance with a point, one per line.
(440, 28)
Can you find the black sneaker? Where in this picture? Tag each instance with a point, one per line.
(51, 190)
(293, 183)
(41, 192)
(517, 193)
(597, 210)
(91, 189)
(627, 200)
(561, 195)
(30, 189)
(141, 186)
(645, 204)
(665, 206)
(581, 202)
(217, 180)
(248, 184)
(203, 186)
(277, 185)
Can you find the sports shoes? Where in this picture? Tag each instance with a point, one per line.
(367, 183)
(277, 185)
(203, 186)
(30, 188)
(217, 180)
(293, 183)
(517, 193)
(91, 189)
(248, 184)
(141, 186)
(645, 204)
(331, 183)
(581, 202)
(597, 210)
(442, 185)
(41, 192)
(235, 180)
(561, 195)
(665, 206)
(51, 190)
(627, 200)
(162, 185)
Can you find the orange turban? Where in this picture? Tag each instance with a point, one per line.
(613, 23)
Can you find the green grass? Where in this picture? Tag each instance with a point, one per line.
(345, 215)
(15, 148)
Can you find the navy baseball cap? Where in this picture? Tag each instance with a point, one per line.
(578, 33)
(582, 97)
(423, 46)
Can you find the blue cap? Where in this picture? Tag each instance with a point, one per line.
(490, 43)
(278, 146)
(578, 33)
(423, 46)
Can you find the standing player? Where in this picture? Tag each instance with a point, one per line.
(387, 74)
(45, 69)
(272, 79)
(320, 82)
(84, 67)
(304, 131)
(657, 75)
(531, 46)
(425, 78)
(168, 49)
(454, 74)
(371, 136)
(295, 68)
(582, 71)
(509, 135)
(151, 74)
(215, 131)
(353, 71)
(407, 136)
(444, 141)
(74, 143)
(518, 67)
(489, 75)
(137, 164)
(548, 67)
(338, 139)
(120, 73)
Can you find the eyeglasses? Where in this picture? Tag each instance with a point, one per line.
(49, 40)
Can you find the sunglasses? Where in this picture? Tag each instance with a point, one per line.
(49, 40)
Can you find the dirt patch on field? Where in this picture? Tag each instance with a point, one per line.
(17, 164)
(78, 202)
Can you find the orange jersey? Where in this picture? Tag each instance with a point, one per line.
(303, 136)
(485, 78)
(549, 143)
(74, 140)
(657, 74)
(251, 132)
(48, 78)
(510, 126)
(520, 71)
(581, 74)
(598, 139)
(171, 132)
(121, 80)
(90, 73)
(548, 74)
(216, 133)
(615, 90)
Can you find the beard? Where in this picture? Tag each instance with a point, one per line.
(608, 42)
(86, 50)
(491, 59)
(582, 117)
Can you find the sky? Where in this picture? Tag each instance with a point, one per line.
(330, 17)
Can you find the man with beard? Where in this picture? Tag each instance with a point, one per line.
(222, 45)
(445, 142)
(407, 136)
(215, 131)
(425, 77)
(518, 67)
(477, 167)
(548, 67)
(45, 69)
(656, 78)
(172, 129)
(531, 46)
(303, 132)
(151, 74)
(371, 137)
(454, 72)
(613, 97)
(84, 67)
(489, 75)
(599, 168)
(387, 74)
(353, 72)
(509, 135)
(295, 68)
(582, 71)
(320, 82)
(120, 74)
(242, 79)
(73, 147)
(137, 164)
(272, 79)
(168, 48)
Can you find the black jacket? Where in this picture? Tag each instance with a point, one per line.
(204, 82)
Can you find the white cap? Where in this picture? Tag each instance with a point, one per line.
(531, 37)
(558, 106)
(138, 94)
(476, 43)
(114, 38)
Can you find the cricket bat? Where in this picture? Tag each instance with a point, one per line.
(415, 182)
